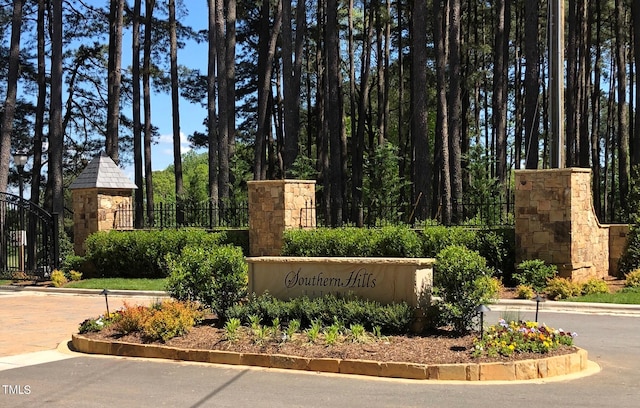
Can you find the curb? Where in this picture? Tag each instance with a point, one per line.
(512, 371)
(549, 305)
(552, 305)
(75, 291)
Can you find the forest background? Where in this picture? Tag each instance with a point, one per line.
(417, 104)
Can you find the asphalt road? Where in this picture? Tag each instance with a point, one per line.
(613, 342)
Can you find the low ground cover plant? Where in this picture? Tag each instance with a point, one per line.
(324, 311)
(161, 321)
(632, 279)
(507, 338)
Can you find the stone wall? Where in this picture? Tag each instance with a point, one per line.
(555, 222)
(618, 236)
(94, 210)
(277, 205)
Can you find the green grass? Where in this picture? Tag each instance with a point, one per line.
(626, 296)
(4, 282)
(119, 284)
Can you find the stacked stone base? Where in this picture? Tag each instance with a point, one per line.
(542, 368)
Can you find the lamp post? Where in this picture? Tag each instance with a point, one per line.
(538, 299)
(482, 309)
(20, 159)
(105, 292)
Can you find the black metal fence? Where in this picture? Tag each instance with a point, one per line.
(28, 239)
(473, 213)
(173, 215)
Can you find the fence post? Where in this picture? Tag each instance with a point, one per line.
(56, 240)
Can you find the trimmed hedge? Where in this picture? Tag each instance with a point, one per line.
(354, 242)
(141, 254)
(497, 246)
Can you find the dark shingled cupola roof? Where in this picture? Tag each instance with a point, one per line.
(102, 172)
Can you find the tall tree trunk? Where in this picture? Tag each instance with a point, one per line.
(596, 117)
(500, 87)
(230, 75)
(292, 71)
(212, 117)
(635, 7)
(624, 169)
(175, 113)
(532, 85)
(56, 132)
(334, 111)
(442, 127)
(137, 126)
(584, 61)
(223, 104)
(267, 48)
(149, 5)
(422, 177)
(114, 78)
(38, 136)
(519, 94)
(10, 100)
(455, 107)
(572, 140)
(357, 140)
(402, 134)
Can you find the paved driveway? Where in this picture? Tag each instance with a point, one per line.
(33, 321)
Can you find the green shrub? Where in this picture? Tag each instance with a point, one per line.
(142, 254)
(524, 292)
(594, 286)
(460, 280)
(72, 263)
(393, 241)
(392, 319)
(217, 277)
(171, 319)
(75, 275)
(131, 318)
(632, 279)
(58, 278)
(534, 272)
(435, 239)
(496, 246)
(630, 259)
(562, 288)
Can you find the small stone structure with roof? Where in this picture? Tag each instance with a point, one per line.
(97, 193)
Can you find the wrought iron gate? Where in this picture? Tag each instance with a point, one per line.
(28, 239)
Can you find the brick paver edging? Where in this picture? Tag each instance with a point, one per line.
(510, 371)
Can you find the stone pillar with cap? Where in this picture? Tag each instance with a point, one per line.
(98, 193)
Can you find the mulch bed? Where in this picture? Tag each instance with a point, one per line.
(436, 348)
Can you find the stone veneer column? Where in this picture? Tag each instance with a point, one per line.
(555, 222)
(94, 210)
(277, 205)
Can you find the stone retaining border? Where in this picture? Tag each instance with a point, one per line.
(511, 371)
